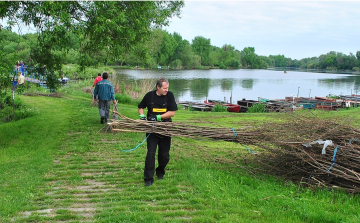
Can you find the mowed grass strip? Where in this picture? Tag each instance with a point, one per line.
(60, 166)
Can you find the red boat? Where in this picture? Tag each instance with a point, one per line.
(230, 107)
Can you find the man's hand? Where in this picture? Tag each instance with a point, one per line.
(142, 117)
(114, 102)
(155, 118)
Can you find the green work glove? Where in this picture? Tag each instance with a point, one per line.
(142, 117)
(155, 118)
(158, 118)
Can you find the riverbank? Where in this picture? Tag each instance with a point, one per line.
(60, 166)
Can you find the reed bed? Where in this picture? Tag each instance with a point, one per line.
(135, 90)
(287, 146)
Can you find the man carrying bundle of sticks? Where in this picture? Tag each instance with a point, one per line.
(104, 92)
(161, 106)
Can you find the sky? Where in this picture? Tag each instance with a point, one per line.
(295, 29)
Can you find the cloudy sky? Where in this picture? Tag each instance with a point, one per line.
(295, 29)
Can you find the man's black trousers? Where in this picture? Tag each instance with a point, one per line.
(164, 144)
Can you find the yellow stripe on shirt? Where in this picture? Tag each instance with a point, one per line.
(159, 109)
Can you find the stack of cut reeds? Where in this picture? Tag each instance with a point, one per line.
(281, 142)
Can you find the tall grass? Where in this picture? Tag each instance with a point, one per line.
(219, 108)
(132, 92)
(257, 108)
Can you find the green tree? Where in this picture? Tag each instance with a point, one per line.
(180, 45)
(233, 63)
(358, 55)
(201, 46)
(269, 62)
(280, 61)
(167, 51)
(215, 57)
(154, 45)
(188, 56)
(249, 59)
(5, 78)
(110, 26)
(229, 56)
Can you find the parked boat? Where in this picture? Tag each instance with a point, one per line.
(196, 106)
(230, 107)
(288, 104)
(247, 103)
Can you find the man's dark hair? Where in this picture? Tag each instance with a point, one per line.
(105, 75)
(99, 74)
(160, 82)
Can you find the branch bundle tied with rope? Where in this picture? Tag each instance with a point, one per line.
(281, 143)
(125, 124)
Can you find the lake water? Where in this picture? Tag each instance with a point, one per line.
(216, 84)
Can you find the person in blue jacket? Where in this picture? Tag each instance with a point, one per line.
(104, 93)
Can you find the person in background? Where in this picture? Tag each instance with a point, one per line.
(103, 94)
(17, 65)
(161, 106)
(97, 79)
(22, 68)
(21, 79)
(21, 82)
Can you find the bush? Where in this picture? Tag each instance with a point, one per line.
(257, 108)
(21, 111)
(233, 63)
(222, 65)
(9, 103)
(356, 69)
(126, 99)
(219, 108)
(177, 64)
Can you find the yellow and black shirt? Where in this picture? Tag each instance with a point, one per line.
(158, 105)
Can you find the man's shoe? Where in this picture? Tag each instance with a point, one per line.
(160, 177)
(105, 120)
(148, 183)
(102, 120)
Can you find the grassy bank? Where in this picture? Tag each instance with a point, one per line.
(59, 166)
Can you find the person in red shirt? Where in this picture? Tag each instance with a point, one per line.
(97, 79)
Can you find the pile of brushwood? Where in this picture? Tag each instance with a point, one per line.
(300, 147)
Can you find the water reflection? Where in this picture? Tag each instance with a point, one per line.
(199, 88)
(247, 83)
(199, 85)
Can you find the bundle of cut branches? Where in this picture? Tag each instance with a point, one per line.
(125, 124)
(284, 143)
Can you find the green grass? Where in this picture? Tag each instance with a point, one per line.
(60, 160)
(219, 108)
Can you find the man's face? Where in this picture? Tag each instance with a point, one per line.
(163, 90)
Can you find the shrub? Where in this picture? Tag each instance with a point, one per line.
(9, 103)
(126, 99)
(21, 111)
(219, 108)
(257, 108)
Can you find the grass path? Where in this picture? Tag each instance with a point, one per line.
(58, 167)
(89, 175)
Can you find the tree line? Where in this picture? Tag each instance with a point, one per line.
(172, 51)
